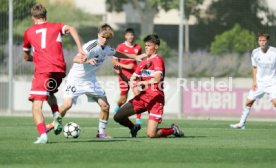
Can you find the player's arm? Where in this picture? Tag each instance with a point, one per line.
(254, 74)
(73, 32)
(118, 70)
(115, 62)
(156, 79)
(27, 56)
(80, 59)
(129, 56)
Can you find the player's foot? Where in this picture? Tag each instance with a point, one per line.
(237, 126)
(57, 123)
(138, 121)
(43, 139)
(49, 127)
(177, 131)
(117, 108)
(103, 136)
(134, 130)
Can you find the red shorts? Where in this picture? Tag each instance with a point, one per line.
(44, 84)
(153, 103)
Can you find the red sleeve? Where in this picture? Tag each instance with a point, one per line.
(158, 64)
(119, 48)
(26, 42)
(61, 28)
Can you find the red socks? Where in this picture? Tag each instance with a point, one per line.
(166, 131)
(41, 128)
(138, 116)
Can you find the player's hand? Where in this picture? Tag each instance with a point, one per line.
(118, 69)
(83, 58)
(92, 61)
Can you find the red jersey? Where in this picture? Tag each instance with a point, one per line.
(124, 48)
(148, 68)
(45, 39)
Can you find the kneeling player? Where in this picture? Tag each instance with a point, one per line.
(151, 73)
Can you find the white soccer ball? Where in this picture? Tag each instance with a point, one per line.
(71, 130)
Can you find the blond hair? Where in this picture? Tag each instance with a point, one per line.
(106, 30)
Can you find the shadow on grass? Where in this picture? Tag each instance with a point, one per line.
(89, 140)
(194, 137)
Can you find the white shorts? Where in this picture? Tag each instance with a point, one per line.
(260, 91)
(91, 89)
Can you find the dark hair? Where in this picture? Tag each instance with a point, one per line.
(262, 34)
(153, 38)
(38, 11)
(129, 30)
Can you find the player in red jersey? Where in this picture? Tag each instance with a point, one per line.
(128, 67)
(45, 40)
(151, 73)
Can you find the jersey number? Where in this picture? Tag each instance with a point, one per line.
(43, 36)
(71, 88)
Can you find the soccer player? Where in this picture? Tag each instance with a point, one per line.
(82, 77)
(149, 77)
(45, 39)
(128, 66)
(264, 77)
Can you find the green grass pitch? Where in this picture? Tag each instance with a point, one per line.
(208, 144)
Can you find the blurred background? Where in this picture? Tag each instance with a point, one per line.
(218, 39)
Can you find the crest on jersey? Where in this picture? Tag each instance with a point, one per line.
(136, 50)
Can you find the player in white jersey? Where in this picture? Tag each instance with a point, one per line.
(82, 77)
(264, 77)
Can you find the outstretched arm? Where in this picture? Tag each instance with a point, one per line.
(73, 32)
(118, 70)
(129, 56)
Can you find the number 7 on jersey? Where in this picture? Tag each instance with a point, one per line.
(43, 36)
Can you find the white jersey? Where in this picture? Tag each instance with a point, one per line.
(266, 66)
(87, 72)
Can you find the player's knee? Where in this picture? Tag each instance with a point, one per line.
(151, 134)
(105, 107)
(249, 103)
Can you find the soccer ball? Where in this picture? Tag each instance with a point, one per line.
(71, 130)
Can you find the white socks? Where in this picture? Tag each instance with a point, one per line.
(102, 126)
(245, 114)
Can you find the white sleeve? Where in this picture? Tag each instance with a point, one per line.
(63, 29)
(253, 60)
(112, 52)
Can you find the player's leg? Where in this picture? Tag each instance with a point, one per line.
(67, 104)
(124, 88)
(122, 117)
(252, 96)
(136, 92)
(39, 121)
(103, 117)
(53, 84)
(245, 113)
(38, 94)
